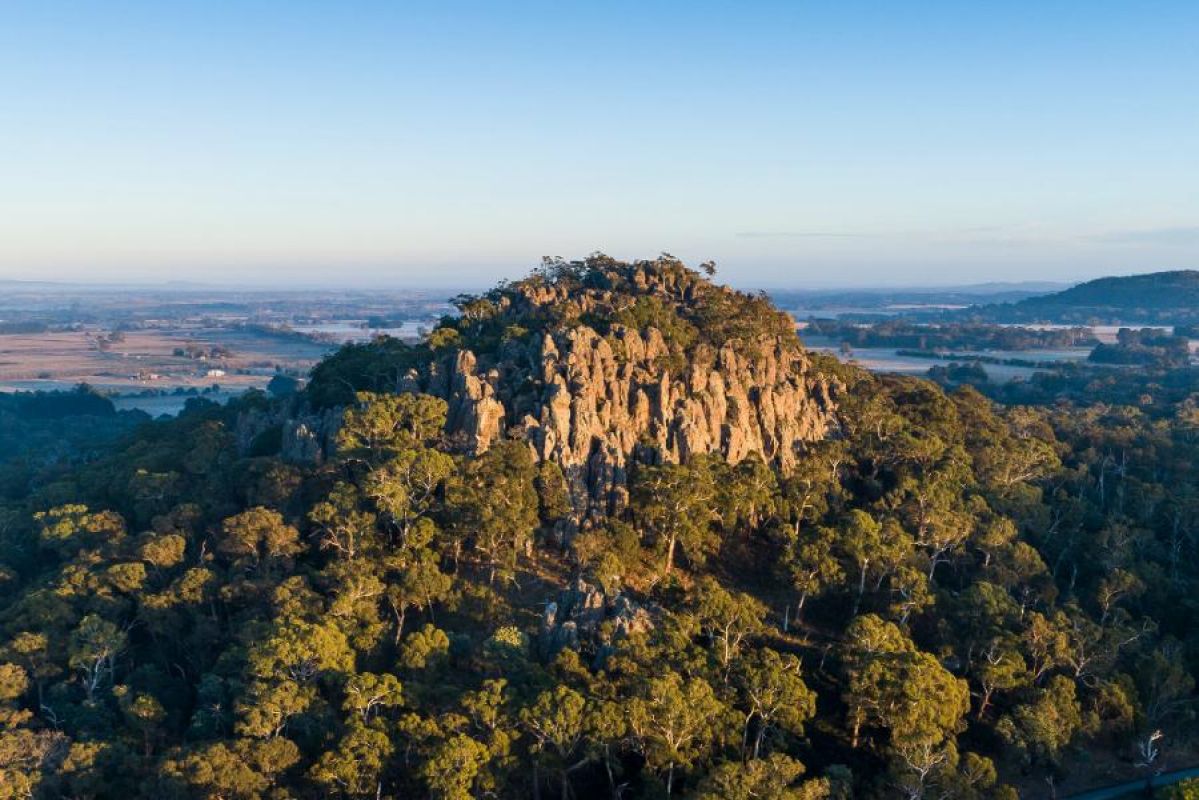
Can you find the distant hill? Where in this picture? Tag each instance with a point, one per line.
(1157, 290)
(865, 301)
(1154, 298)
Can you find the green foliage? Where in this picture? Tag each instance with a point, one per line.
(424, 647)
(947, 595)
(675, 721)
(1153, 297)
(1041, 729)
(776, 777)
(496, 504)
(1186, 790)
(896, 688)
(354, 767)
(380, 426)
(778, 701)
(258, 536)
(553, 494)
(375, 366)
(648, 312)
(676, 504)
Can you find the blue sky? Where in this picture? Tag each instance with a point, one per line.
(797, 144)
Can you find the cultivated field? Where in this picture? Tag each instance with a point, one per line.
(152, 359)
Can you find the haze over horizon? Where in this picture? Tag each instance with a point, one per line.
(454, 144)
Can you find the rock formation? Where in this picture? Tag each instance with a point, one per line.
(593, 402)
(601, 365)
(578, 616)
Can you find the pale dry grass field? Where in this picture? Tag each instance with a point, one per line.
(147, 359)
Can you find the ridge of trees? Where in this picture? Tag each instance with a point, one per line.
(947, 598)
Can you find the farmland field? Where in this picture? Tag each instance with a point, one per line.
(145, 370)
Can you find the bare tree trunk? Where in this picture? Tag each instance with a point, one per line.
(857, 603)
(399, 614)
(984, 703)
(611, 778)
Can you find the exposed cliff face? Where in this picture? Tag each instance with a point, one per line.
(594, 390)
(592, 404)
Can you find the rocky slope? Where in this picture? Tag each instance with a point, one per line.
(591, 389)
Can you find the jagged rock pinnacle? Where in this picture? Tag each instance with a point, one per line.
(592, 391)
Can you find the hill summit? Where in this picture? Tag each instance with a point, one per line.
(1156, 297)
(601, 363)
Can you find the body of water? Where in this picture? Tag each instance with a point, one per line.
(889, 359)
(153, 404)
(351, 330)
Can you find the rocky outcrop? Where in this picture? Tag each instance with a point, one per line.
(580, 611)
(593, 404)
(603, 365)
(474, 410)
(306, 436)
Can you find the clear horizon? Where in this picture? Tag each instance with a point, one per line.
(283, 285)
(431, 145)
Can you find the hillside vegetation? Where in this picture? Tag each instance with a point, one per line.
(931, 595)
(1158, 297)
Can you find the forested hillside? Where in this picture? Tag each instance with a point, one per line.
(456, 570)
(1156, 290)
(1168, 298)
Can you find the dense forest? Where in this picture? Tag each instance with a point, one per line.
(41, 432)
(1147, 347)
(934, 596)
